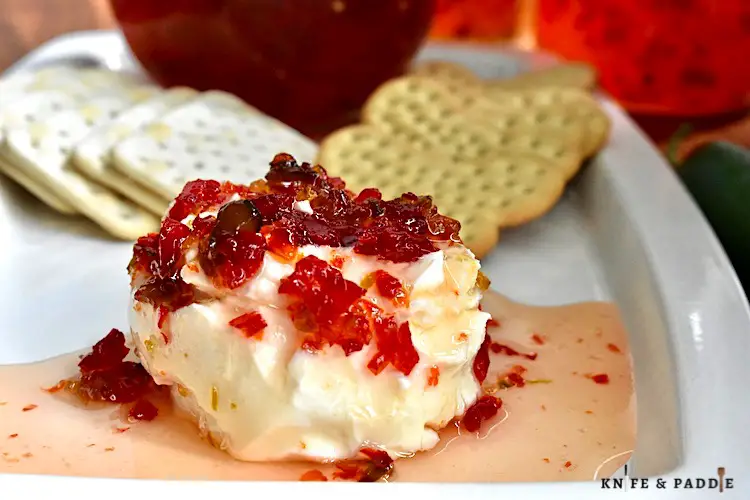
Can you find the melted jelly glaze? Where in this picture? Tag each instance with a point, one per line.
(261, 217)
(232, 244)
(559, 425)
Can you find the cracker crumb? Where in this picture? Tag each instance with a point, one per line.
(29, 407)
(546, 460)
(11, 460)
(12, 436)
(27, 455)
(579, 340)
(90, 445)
(109, 448)
(3, 403)
(588, 412)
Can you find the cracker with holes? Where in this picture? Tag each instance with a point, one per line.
(569, 113)
(92, 156)
(75, 83)
(499, 191)
(40, 145)
(469, 126)
(447, 72)
(214, 136)
(562, 109)
(54, 80)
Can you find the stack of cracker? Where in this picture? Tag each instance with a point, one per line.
(492, 154)
(106, 146)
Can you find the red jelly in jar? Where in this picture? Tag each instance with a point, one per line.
(665, 57)
(310, 63)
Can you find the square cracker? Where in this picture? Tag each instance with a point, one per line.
(49, 129)
(76, 83)
(214, 136)
(92, 156)
(42, 193)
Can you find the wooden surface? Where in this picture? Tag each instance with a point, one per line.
(24, 24)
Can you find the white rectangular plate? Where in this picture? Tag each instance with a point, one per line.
(626, 231)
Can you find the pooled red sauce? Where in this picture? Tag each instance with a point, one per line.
(250, 324)
(509, 351)
(483, 409)
(542, 420)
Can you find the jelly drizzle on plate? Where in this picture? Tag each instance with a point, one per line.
(565, 423)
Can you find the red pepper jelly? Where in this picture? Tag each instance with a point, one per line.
(264, 217)
(311, 64)
(259, 218)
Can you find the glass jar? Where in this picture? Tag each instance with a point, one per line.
(657, 57)
(475, 19)
(309, 63)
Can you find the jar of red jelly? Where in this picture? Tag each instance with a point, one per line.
(310, 63)
(658, 57)
(487, 20)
